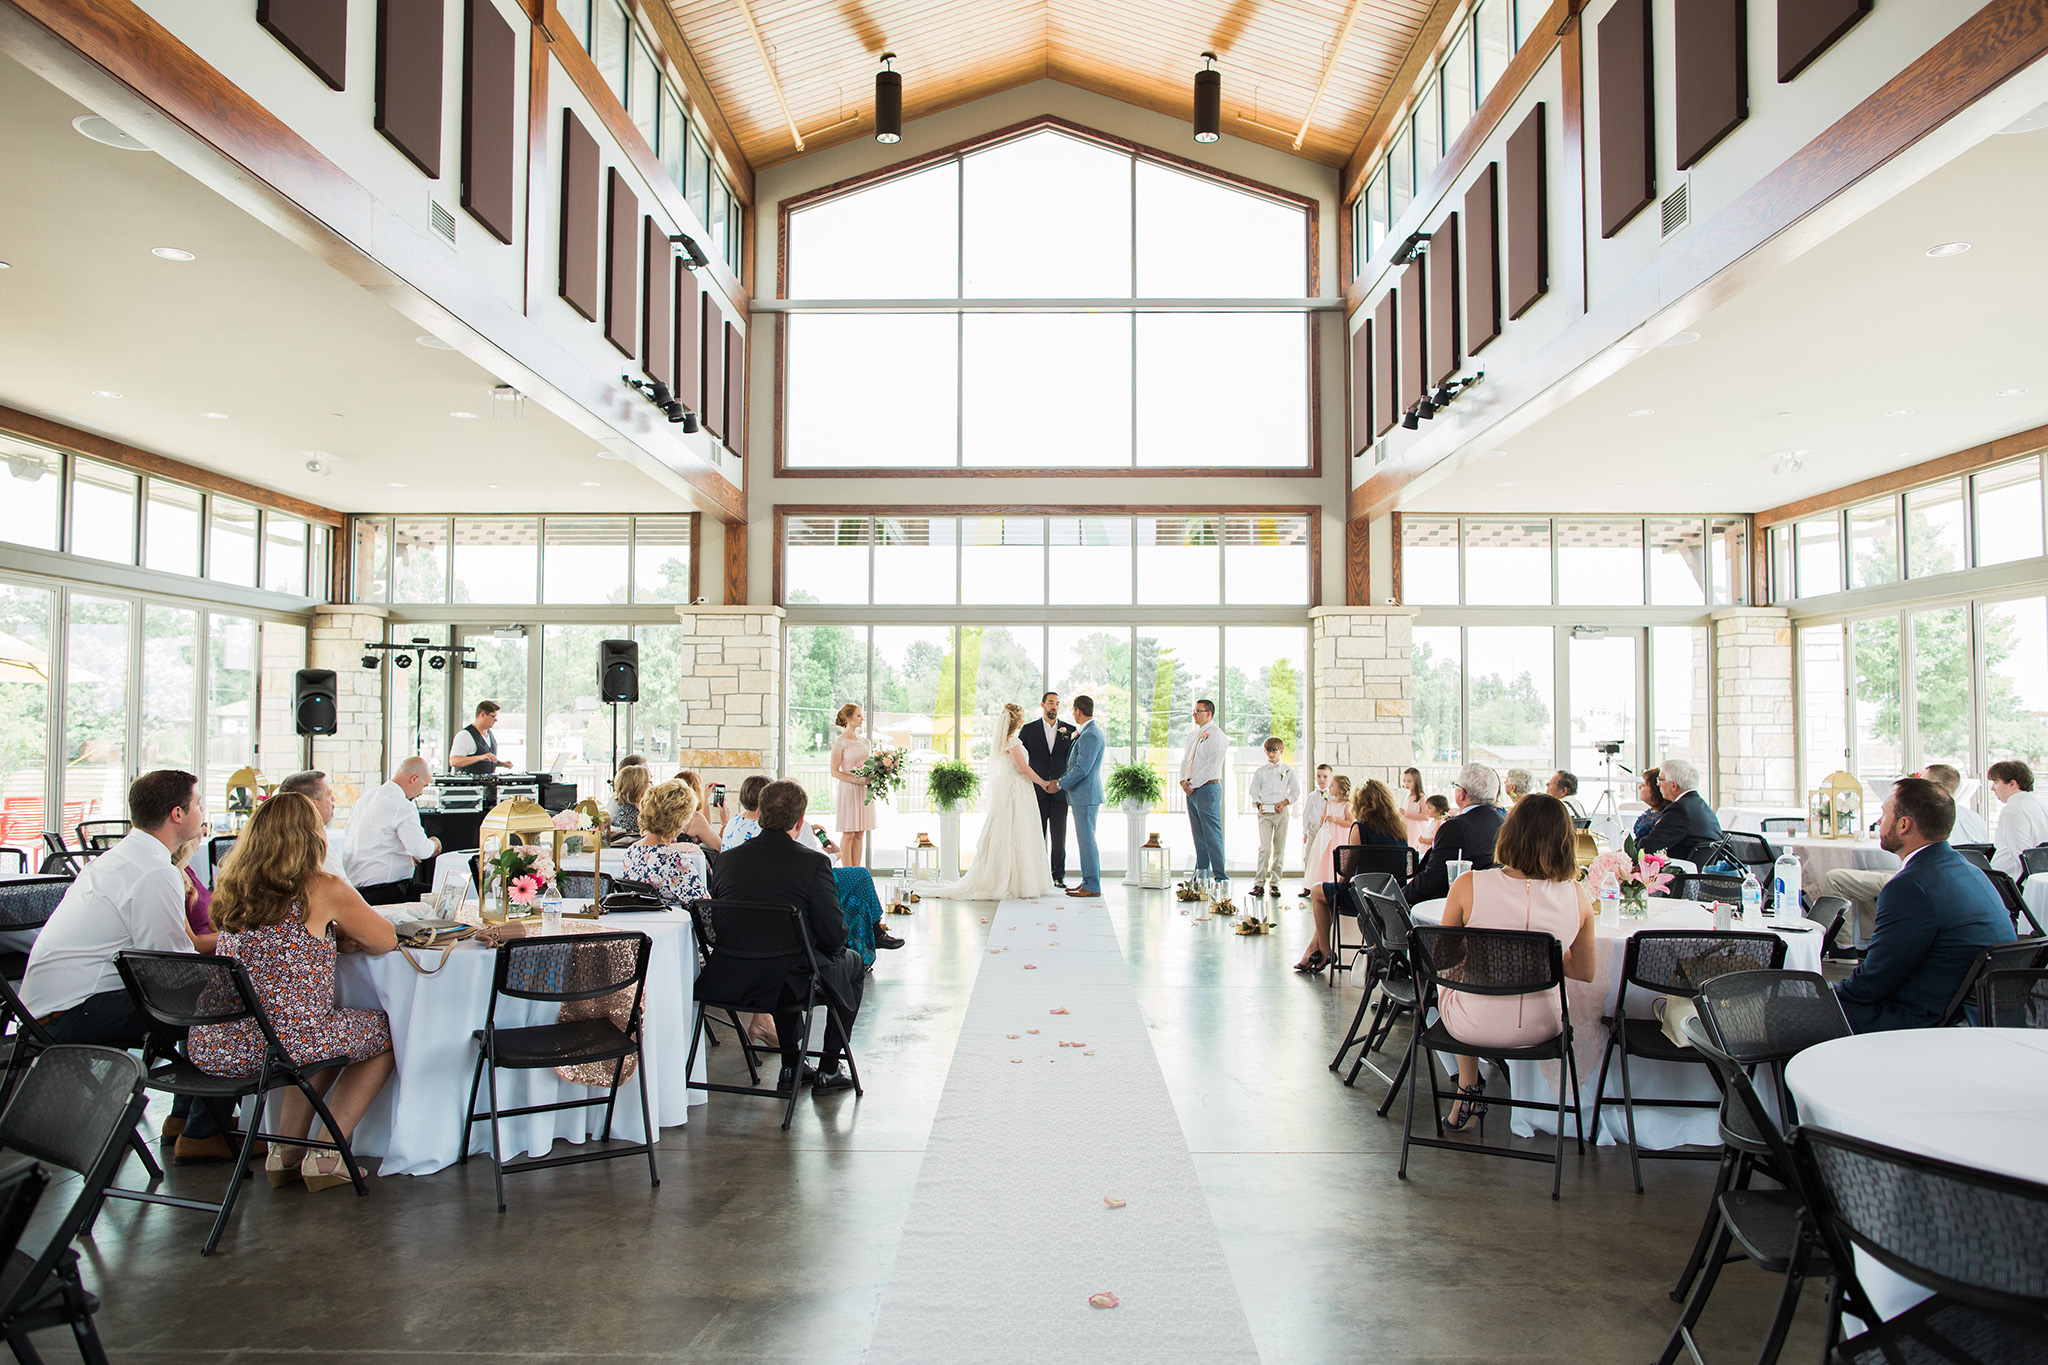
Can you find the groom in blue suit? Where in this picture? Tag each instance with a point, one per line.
(1082, 782)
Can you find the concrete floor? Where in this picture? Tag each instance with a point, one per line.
(766, 1246)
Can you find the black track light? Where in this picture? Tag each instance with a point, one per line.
(1208, 101)
(401, 660)
(370, 661)
(657, 393)
(888, 102)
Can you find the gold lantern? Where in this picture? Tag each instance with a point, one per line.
(241, 796)
(1155, 865)
(923, 860)
(1834, 809)
(518, 821)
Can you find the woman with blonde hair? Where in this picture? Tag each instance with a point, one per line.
(1011, 860)
(629, 787)
(677, 871)
(284, 918)
(852, 816)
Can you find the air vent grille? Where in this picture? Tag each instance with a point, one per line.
(1678, 208)
(444, 221)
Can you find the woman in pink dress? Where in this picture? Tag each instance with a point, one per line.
(1330, 830)
(853, 817)
(1415, 810)
(1534, 885)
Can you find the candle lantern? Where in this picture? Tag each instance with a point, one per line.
(517, 821)
(1155, 865)
(1834, 809)
(923, 860)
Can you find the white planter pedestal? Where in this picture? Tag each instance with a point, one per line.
(1134, 839)
(949, 846)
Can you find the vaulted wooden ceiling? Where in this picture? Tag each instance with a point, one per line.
(1273, 55)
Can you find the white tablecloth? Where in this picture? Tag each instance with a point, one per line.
(1657, 1127)
(414, 1124)
(1750, 819)
(1976, 1097)
(1817, 857)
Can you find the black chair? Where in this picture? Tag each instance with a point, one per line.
(2013, 1000)
(2015, 904)
(1705, 886)
(1980, 854)
(1346, 862)
(758, 932)
(1972, 1237)
(2020, 955)
(174, 992)
(562, 969)
(53, 841)
(1674, 962)
(1753, 853)
(1833, 911)
(2032, 860)
(1488, 962)
(27, 903)
(20, 857)
(24, 1040)
(1388, 972)
(1769, 1227)
(1782, 824)
(219, 847)
(584, 886)
(72, 1109)
(97, 836)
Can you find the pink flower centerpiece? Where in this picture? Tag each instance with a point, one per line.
(1638, 875)
(523, 873)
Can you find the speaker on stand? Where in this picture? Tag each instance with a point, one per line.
(618, 680)
(314, 710)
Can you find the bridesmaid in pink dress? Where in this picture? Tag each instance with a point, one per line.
(1415, 808)
(853, 816)
(1534, 886)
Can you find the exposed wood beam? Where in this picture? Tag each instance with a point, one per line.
(768, 66)
(1969, 461)
(1329, 67)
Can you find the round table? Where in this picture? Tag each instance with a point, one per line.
(1750, 819)
(1657, 1127)
(1818, 857)
(1973, 1096)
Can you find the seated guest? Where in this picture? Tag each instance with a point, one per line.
(774, 868)
(1933, 917)
(1687, 824)
(747, 823)
(1375, 819)
(2023, 823)
(1515, 784)
(1860, 886)
(283, 917)
(1439, 810)
(1468, 835)
(313, 785)
(1565, 787)
(629, 788)
(198, 899)
(1970, 826)
(677, 871)
(1649, 791)
(1332, 825)
(384, 840)
(858, 902)
(1534, 886)
(704, 822)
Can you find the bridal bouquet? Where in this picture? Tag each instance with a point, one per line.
(883, 770)
(1638, 875)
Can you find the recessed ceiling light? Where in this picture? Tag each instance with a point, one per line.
(2009, 393)
(464, 416)
(5, 266)
(171, 253)
(1708, 484)
(434, 343)
(1784, 414)
(1642, 412)
(105, 131)
(215, 416)
(1948, 249)
(608, 454)
(1900, 412)
(588, 483)
(105, 393)
(1615, 485)
(394, 485)
(1790, 461)
(490, 485)
(1680, 339)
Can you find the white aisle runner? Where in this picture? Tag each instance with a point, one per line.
(1008, 1234)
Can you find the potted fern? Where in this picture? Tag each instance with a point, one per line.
(952, 787)
(1135, 787)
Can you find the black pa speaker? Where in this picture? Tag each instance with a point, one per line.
(313, 709)
(618, 670)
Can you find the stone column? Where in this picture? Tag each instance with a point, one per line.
(730, 716)
(1755, 734)
(355, 753)
(1363, 689)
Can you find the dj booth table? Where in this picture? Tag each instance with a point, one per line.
(464, 800)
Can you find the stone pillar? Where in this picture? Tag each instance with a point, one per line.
(730, 717)
(355, 753)
(1363, 690)
(1755, 733)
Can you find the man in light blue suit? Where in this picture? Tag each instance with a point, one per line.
(1082, 782)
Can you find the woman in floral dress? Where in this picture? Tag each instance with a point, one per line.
(678, 872)
(284, 918)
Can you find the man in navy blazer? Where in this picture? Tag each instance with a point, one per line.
(1047, 743)
(1933, 917)
(1688, 824)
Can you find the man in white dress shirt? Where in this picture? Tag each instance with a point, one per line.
(1201, 778)
(1273, 790)
(1859, 886)
(384, 839)
(475, 749)
(2023, 823)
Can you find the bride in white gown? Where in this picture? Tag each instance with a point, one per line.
(1010, 862)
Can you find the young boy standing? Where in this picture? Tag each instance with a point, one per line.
(1312, 814)
(1273, 789)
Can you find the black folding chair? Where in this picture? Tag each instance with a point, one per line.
(2013, 1000)
(1782, 824)
(584, 886)
(2020, 955)
(97, 836)
(1833, 911)
(219, 847)
(72, 1109)
(1346, 862)
(1390, 983)
(174, 992)
(2032, 860)
(19, 857)
(2015, 904)
(1488, 962)
(27, 903)
(53, 842)
(1980, 854)
(758, 932)
(1705, 886)
(59, 858)
(1972, 1237)
(1675, 962)
(562, 969)
(1753, 853)
(24, 1040)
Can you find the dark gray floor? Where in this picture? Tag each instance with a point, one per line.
(765, 1246)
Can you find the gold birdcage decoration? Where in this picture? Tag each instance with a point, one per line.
(517, 821)
(1834, 809)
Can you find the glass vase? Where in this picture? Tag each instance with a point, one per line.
(1635, 900)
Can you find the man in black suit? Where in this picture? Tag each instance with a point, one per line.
(1468, 835)
(774, 868)
(1046, 744)
(1688, 826)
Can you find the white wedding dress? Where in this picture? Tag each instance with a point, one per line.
(1010, 862)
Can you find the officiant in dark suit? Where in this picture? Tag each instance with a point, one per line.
(1046, 745)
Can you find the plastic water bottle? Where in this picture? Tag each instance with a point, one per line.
(1752, 898)
(1785, 879)
(1610, 905)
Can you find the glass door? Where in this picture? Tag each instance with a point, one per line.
(1604, 682)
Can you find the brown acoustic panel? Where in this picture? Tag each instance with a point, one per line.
(621, 264)
(1413, 351)
(409, 34)
(490, 118)
(1386, 384)
(1361, 388)
(1442, 262)
(687, 376)
(1807, 28)
(581, 210)
(1482, 260)
(712, 348)
(1712, 90)
(316, 32)
(735, 388)
(657, 304)
(1528, 227)
(1628, 164)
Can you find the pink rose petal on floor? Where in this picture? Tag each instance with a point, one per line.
(1114, 1202)
(1053, 927)
(984, 919)
(1009, 1035)
(1029, 968)
(1016, 1061)
(1089, 1053)
(1102, 1300)
(1062, 1010)
(1031, 1030)
(995, 952)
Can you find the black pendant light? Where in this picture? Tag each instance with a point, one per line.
(1208, 101)
(888, 102)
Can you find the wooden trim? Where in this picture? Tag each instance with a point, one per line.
(18, 423)
(1357, 564)
(538, 41)
(697, 551)
(736, 564)
(1394, 581)
(724, 144)
(341, 561)
(1571, 58)
(1760, 593)
(2017, 446)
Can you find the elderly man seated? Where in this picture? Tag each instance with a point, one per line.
(1467, 835)
(384, 840)
(1688, 824)
(1933, 917)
